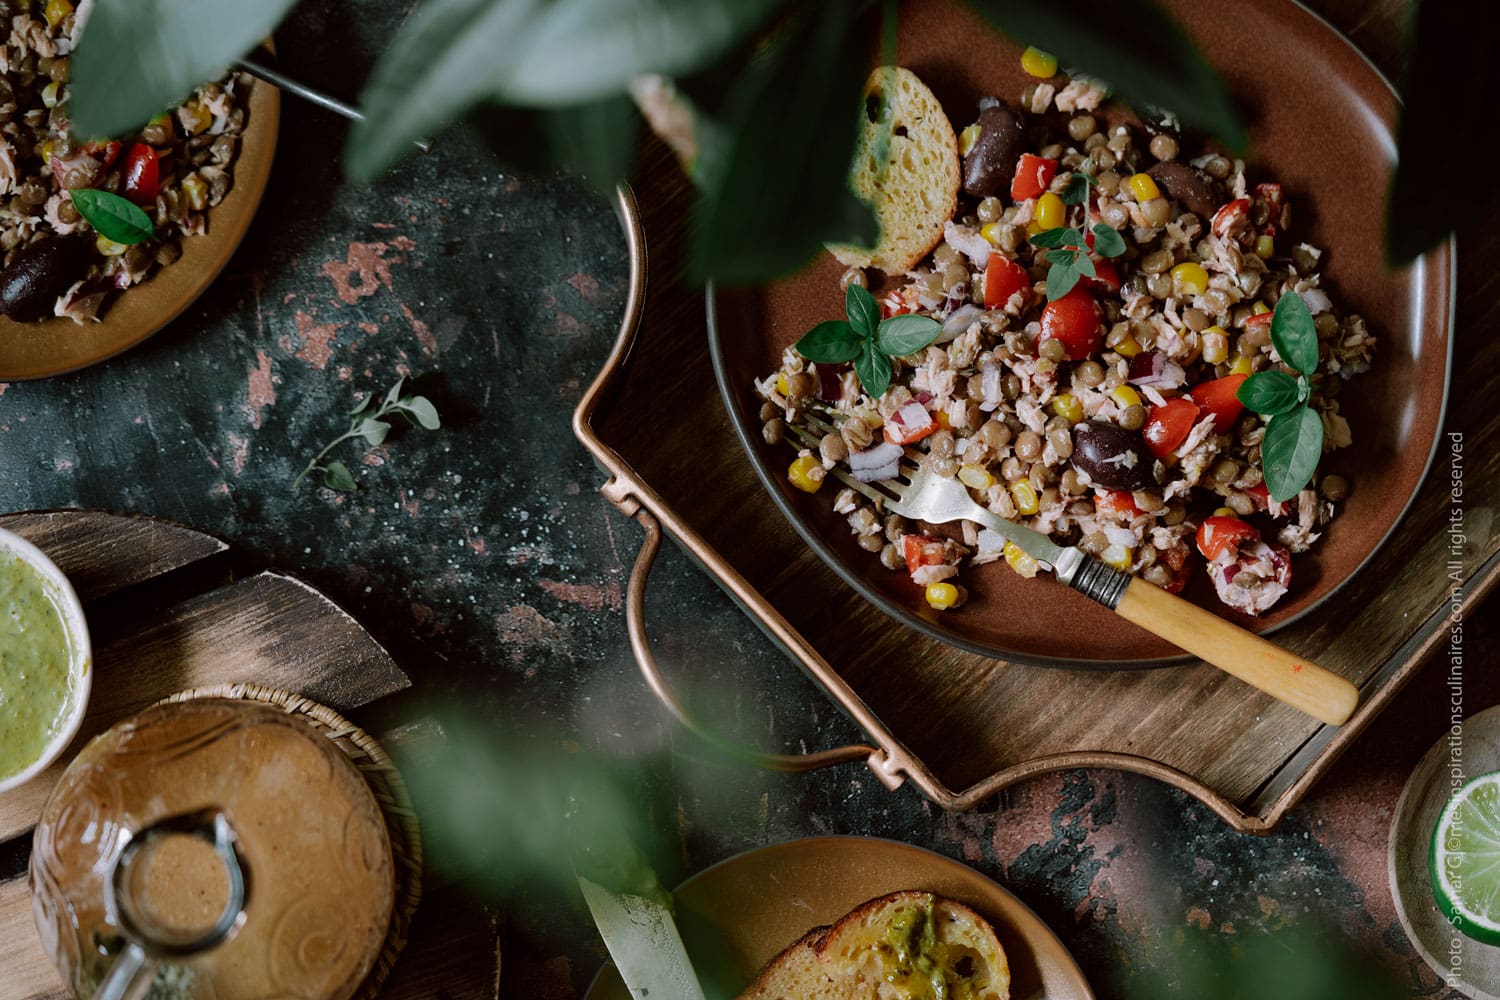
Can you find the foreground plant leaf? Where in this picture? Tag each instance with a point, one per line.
(1135, 47)
(135, 60)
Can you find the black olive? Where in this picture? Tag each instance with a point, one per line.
(39, 273)
(1113, 457)
(991, 163)
(1189, 187)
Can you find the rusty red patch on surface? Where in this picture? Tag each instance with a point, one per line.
(1199, 918)
(587, 286)
(239, 451)
(590, 596)
(364, 269)
(317, 340)
(260, 389)
(424, 334)
(525, 626)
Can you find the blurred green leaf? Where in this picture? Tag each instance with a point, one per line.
(789, 137)
(543, 53)
(136, 59)
(1132, 45)
(1451, 76)
(1293, 963)
(596, 140)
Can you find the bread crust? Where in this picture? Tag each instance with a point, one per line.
(914, 192)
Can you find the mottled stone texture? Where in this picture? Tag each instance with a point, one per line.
(483, 556)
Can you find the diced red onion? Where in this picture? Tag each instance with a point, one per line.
(881, 461)
(924, 397)
(1317, 300)
(913, 416)
(1156, 370)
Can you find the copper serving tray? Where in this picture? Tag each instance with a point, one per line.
(958, 726)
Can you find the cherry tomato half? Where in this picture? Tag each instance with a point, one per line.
(1033, 175)
(141, 174)
(1074, 320)
(1168, 425)
(1003, 278)
(1218, 535)
(1115, 502)
(1218, 397)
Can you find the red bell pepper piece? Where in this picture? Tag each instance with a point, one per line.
(1003, 278)
(1218, 397)
(1232, 219)
(1220, 535)
(1033, 175)
(1271, 194)
(898, 302)
(919, 551)
(1258, 319)
(1117, 502)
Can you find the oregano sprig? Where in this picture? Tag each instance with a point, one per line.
(1293, 442)
(1068, 246)
(867, 340)
(371, 425)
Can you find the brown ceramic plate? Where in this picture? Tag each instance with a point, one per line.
(55, 346)
(1321, 120)
(739, 914)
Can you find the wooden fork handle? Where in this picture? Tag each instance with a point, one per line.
(1282, 675)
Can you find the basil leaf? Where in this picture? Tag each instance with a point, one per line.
(1143, 54)
(1108, 242)
(336, 476)
(421, 409)
(113, 217)
(1269, 392)
(873, 369)
(374, 431)
(160, 52)
(1085, 266)
(1058, 237)
(1294, 334)
(1290, 451)
(863, 310)
(1062, 256)
(1061, 278)
(830, 343)
(907, 334)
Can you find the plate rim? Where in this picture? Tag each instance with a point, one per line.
(836, 841)
(1447, 252)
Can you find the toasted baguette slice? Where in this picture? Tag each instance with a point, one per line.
(914, 193)
(859, 959)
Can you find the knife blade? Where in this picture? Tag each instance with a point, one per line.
(644, 943)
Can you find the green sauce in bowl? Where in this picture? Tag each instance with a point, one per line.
(37, 682)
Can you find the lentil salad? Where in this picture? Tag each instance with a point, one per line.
(1108, 416)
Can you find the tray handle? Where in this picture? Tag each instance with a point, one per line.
(640, 644)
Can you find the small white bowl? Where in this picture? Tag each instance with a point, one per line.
(81, 666)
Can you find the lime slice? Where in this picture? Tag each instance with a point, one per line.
(1466, 859)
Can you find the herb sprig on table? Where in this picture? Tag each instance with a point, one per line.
(867, 340)
(1293, 443)
(371, 425)
(1068, 247)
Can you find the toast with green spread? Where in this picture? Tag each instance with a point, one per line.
(914, 187)
(905, 946)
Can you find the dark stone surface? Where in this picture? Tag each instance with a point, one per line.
(483, 556)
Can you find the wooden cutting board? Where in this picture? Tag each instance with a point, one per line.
(167, 612)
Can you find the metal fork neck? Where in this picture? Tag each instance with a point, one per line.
(1092, 578)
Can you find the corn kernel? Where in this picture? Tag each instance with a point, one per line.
(1050, 211)
(967, 138)
(1143, 186)
(1215, 345)
(1226, 512)
(991, 233)
(1127, 348)
(49, 94)
(807, 474)
(1025, 497)
(1038, 63)
(1265, 246)
(1019, 561)
(1126, 396)
(1190, 278)
(1068, 406)
(941, 418)
(109, 247)
(55, 11)
(1033, 227)
(941, 596)
(1118, 556)
(1259, 308)
(196, 192)
(975, 478)
(195, 118)
(1241, 366)
(47, 151)
(782, 386)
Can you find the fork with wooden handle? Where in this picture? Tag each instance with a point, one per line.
(922, 495)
